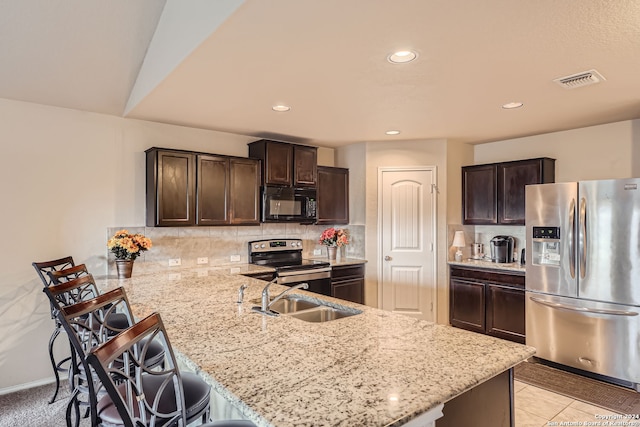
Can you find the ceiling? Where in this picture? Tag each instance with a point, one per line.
(222, 65)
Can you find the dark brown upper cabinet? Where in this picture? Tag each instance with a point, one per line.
(213, 190)
(244, 203)
(171, 183)
(494, 193)
(305, 171)
(187, 188)
(479, 194)
(333, 195)
(286, 164)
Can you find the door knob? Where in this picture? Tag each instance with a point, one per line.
(387, 258)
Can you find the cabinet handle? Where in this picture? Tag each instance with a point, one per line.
(387, 258)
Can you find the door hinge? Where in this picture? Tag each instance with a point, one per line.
(431, 246)
(432, 306)
(434, 189)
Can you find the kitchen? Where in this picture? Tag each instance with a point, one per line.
(100, 159)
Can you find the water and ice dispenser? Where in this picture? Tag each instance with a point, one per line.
(545, 247)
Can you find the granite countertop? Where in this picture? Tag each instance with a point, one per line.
(511, 266)
(375, 369)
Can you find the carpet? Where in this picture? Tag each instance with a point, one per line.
(31, 408)
(612, 397)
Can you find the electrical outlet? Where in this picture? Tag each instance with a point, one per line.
(174, 262)
(235, 258)
(317, 252)
(203, 260)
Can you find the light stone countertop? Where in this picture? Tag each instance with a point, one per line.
(373, 369)
(511, 266)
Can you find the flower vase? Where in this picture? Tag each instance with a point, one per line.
(124, 267)
(331, 252)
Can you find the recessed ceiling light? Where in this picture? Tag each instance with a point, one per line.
(512, 105)
(281, 108)
(392, 132)
(402, 57)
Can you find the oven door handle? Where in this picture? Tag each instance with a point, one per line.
(301, 272)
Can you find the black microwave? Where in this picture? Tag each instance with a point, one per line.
(289, 204)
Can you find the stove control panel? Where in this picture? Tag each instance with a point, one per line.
(275, 245)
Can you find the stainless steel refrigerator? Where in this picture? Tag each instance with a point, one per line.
(583, 276)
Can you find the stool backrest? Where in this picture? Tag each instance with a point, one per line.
(60, 276)
(42, 268)
(142, 396)
(74, 291)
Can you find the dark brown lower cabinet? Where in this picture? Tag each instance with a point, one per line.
(467, 305)
(505, 312)
(347, 283)
(488, 302)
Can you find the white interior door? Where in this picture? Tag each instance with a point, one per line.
(407, 224)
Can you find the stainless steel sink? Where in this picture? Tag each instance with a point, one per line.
(302, 308)
(322, 314)
(291, 305)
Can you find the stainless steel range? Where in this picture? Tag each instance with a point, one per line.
(285, 255)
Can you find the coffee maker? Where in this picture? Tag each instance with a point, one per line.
(502, 249)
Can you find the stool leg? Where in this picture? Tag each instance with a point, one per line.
(54, 365)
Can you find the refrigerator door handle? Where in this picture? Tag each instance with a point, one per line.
(572, 242)
(582, 245)
(583, 309)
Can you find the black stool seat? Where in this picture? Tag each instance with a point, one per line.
(196, 397)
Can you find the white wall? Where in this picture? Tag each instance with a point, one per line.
(65, 177)
(598, 152)
(404, 153)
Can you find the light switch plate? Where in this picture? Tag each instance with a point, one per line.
(203, 260)
(235, 258)
(174, 262)
(317, 251)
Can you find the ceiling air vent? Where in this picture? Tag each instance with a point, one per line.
(584, 78)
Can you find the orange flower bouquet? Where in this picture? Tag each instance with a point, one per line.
(127, 246)
(334, 237)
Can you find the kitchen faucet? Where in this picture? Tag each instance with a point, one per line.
(266, 304)
(241, 292)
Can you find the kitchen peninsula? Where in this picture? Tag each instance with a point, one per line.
(376, 368)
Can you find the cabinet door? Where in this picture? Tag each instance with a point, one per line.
(479, 194)
(213, 190)
(466, 305)
(244, 191)
(512, 178)
(333, 195)
(350, 290)
(278, 163)
(305, 166)
(170, 188)
(505, 313)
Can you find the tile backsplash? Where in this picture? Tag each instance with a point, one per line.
(219, 244)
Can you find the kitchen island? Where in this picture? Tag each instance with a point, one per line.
(376, 368)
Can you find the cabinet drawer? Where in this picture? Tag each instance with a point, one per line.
(345, 272)
(514, 279)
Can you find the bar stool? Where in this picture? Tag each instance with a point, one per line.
(89, 328)
(43, 268)
(149, 398)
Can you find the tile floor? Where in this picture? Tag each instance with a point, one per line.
(536, 407)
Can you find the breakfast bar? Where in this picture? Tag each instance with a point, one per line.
(375, 368)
